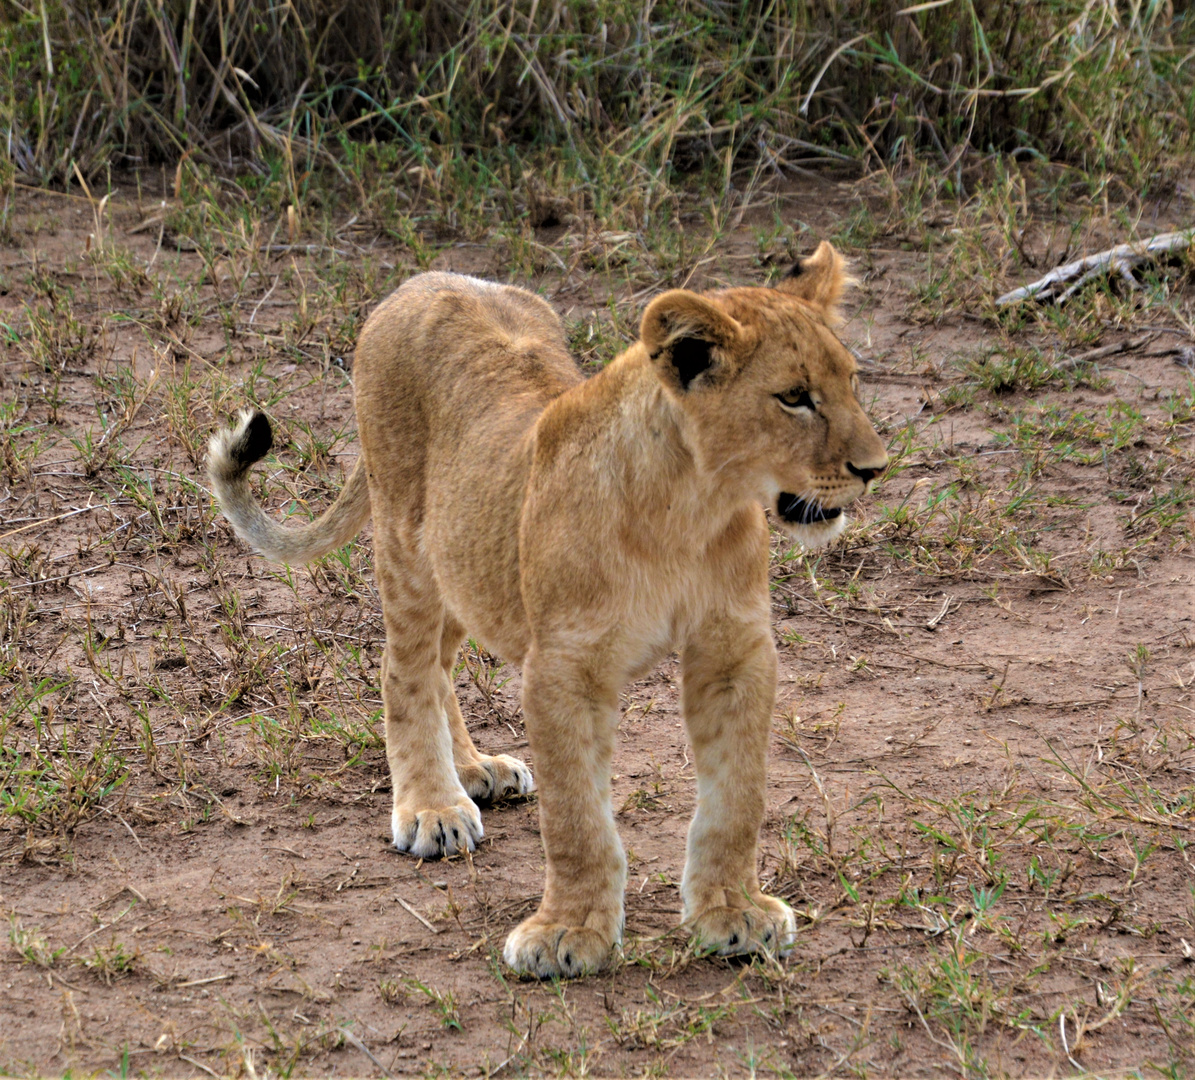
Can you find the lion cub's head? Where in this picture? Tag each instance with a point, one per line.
(769, 393)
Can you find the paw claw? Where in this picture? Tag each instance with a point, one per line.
(727, 931)
(438, 831)
(549, 950)
(494, 778)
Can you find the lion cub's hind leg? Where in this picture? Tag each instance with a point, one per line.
(432, 813)
(487, 778)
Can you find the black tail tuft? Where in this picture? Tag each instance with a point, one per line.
(253, 441)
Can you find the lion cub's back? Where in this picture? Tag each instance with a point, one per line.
(450, 376)
(449, 333)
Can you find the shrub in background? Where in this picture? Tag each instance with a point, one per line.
(1101, 84)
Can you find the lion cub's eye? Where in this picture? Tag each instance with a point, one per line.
(796, 399)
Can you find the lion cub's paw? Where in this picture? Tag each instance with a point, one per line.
(494, 778)
(768, 927)
(551, 950)
(437, 831)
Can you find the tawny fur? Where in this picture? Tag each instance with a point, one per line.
(230, 457)
(583, 529)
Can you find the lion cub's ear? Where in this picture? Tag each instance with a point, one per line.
(688, 336)
(819, 280)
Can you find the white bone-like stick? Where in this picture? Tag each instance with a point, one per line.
(1120, 259)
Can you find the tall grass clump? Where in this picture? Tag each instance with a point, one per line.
(675, 87)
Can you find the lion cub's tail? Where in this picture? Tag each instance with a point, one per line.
(233, 452)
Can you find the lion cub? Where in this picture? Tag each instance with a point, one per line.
(584, 528)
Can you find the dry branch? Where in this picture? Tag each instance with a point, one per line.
(1121, 260)
(1093, 355)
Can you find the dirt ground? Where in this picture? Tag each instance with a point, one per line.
(980, 796)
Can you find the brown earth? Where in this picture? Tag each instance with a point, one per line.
(981, 793)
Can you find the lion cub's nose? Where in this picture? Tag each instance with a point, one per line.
(866, 475)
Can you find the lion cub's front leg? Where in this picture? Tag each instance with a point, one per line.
(571, 720)
(728, 695)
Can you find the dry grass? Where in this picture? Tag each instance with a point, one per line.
(159, 683)
(557, 97)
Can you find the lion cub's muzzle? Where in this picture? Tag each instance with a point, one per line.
(799, 511)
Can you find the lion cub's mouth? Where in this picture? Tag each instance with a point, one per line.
(800, 512)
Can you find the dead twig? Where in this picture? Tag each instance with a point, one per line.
(354, 1041)
(1120, 260)
(433, 929)
(1128, 345)
(933, 623)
